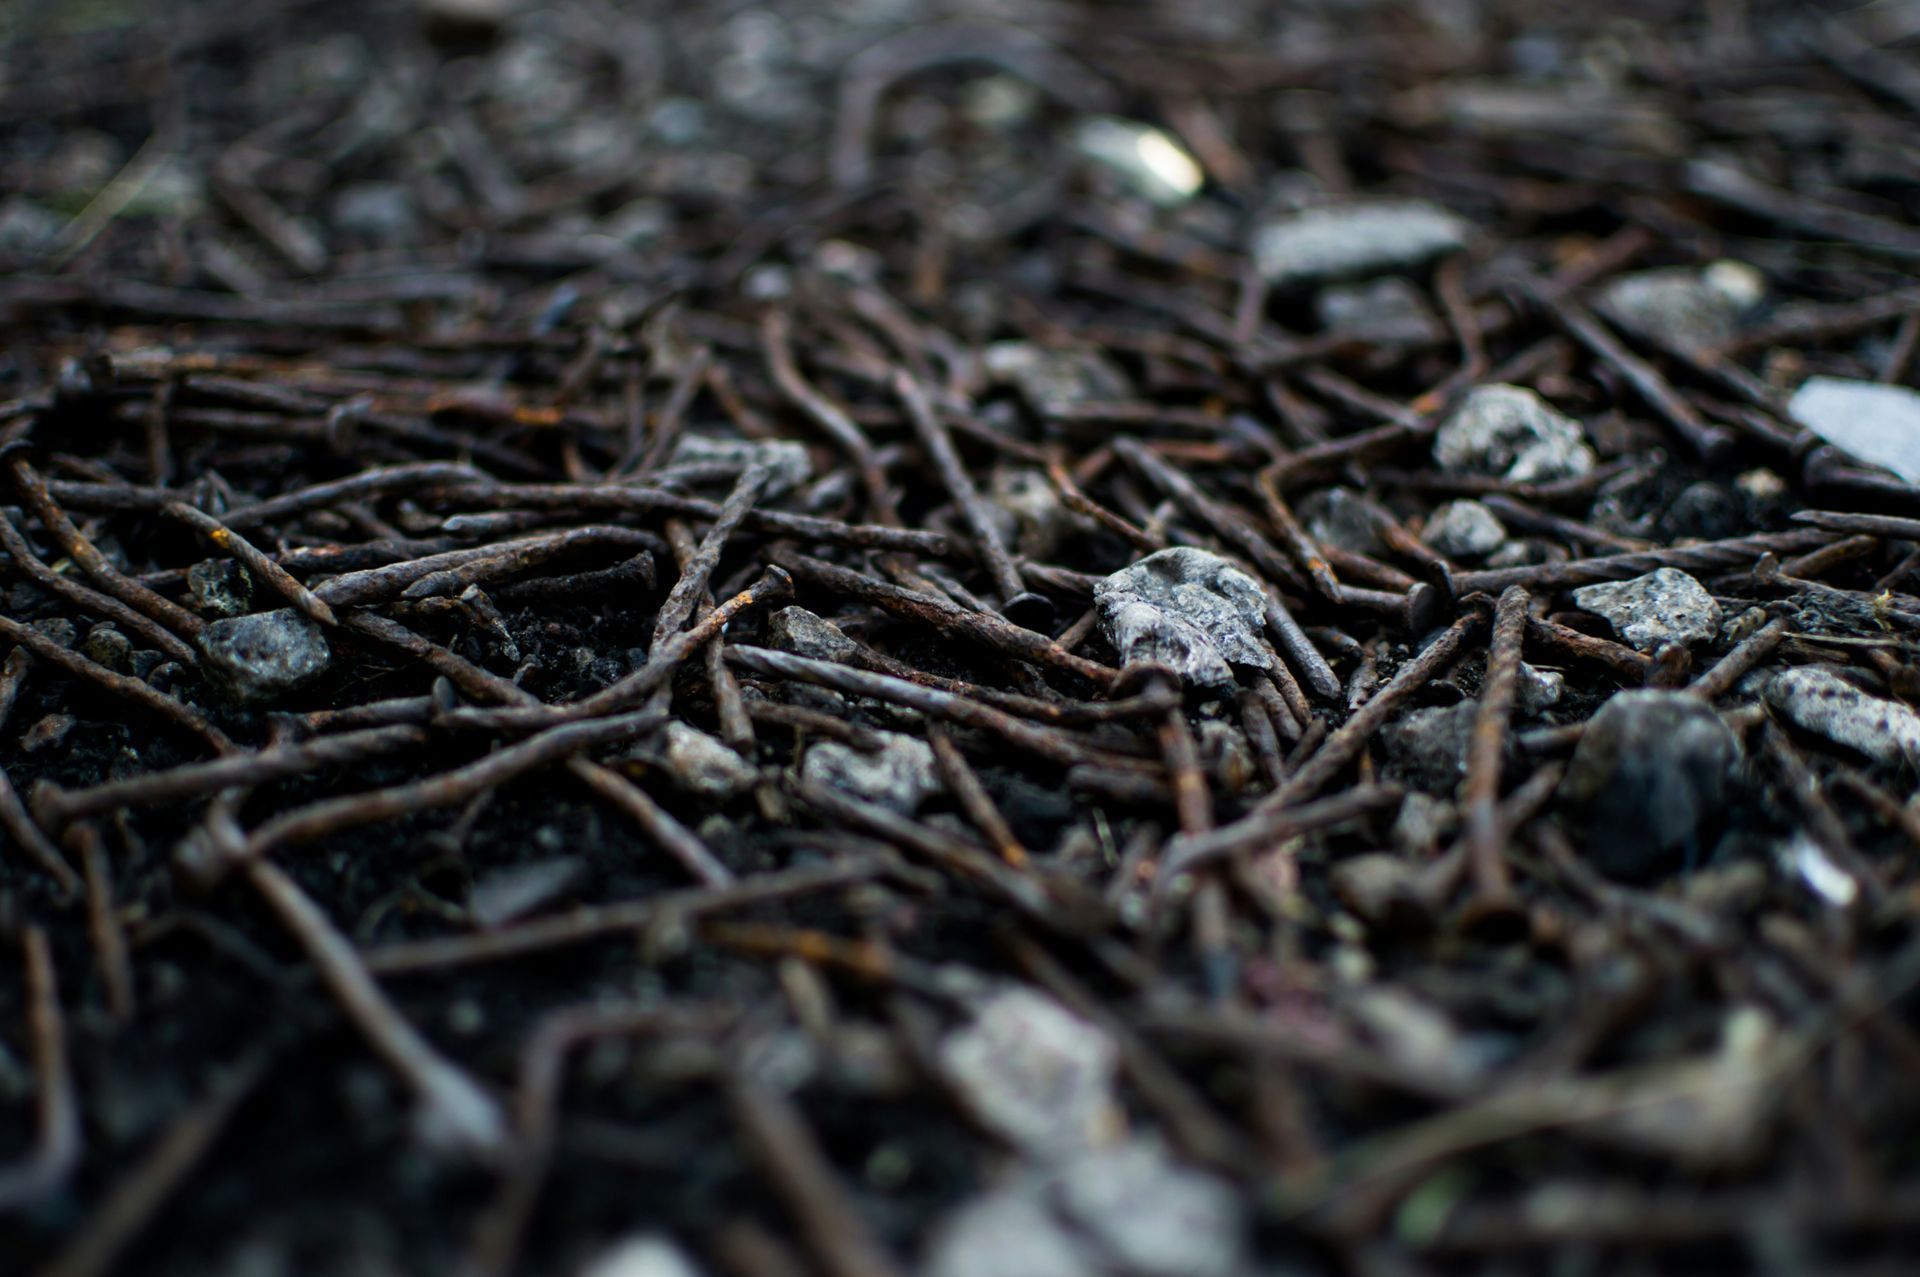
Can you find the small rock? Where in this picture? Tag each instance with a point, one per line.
(1664, 606)
(1053, 381)
(1538, 690)
(1347, 240)
(1822, 875)
(1429, 746)
(380, 214)
(638, 222)
(1682, 308)
(1522, 553)
(1386, 312)
(644, 1256)
(704, 765)
(1338, 517)
(1511, 432)
(1150, 163)
(1877, 423)
(26, 228)
(1648, 771)
(262, 655)
(1820, 701)
(46, 733)
(1379, 886)
(1423, 821)
(1036, 519)
(803, 633)
(108, 646)
(1464, 530)
(1702, 511)
(499, 897)
(56, 629)
(900, 776)
(786, 461)
(1187, 609)
(1038, 1075)
(1009, 1233)
(1150, 1216)
(220, 587)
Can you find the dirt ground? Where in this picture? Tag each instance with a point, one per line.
(972, 638)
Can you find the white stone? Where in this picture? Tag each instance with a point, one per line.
(1821, 701)
(641, 1257)
(1037, 1074)
(1010, 1233)
(1878, 424)
(1154, 165)
(1151, 1216)
(1340, 241)
(705, 765)
(900, 776)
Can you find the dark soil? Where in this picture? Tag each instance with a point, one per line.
(246, 250)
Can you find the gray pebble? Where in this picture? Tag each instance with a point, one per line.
(56, 629)
(1341, 241)
(1422, 822)
(1187, 609)
(1510, 432)
(107, 645)
(503, 895)
(27, 228)
(1464, 530)
(1664, 606)
(1386, 312)
(1053, 380)
(1037, 1074)
(804, 633)
(1008, 1233)
(1035, 520)
(1339, 518)
(1148, 1215)
(1378, 885)
(1429, 746)
(263, 655)
(1648, 771)
(46, 733)
(377, 213)
(1820, 701)
(787, 463)
(704, 765)
(1538, 690)
(1683, 308)
(900, 776)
